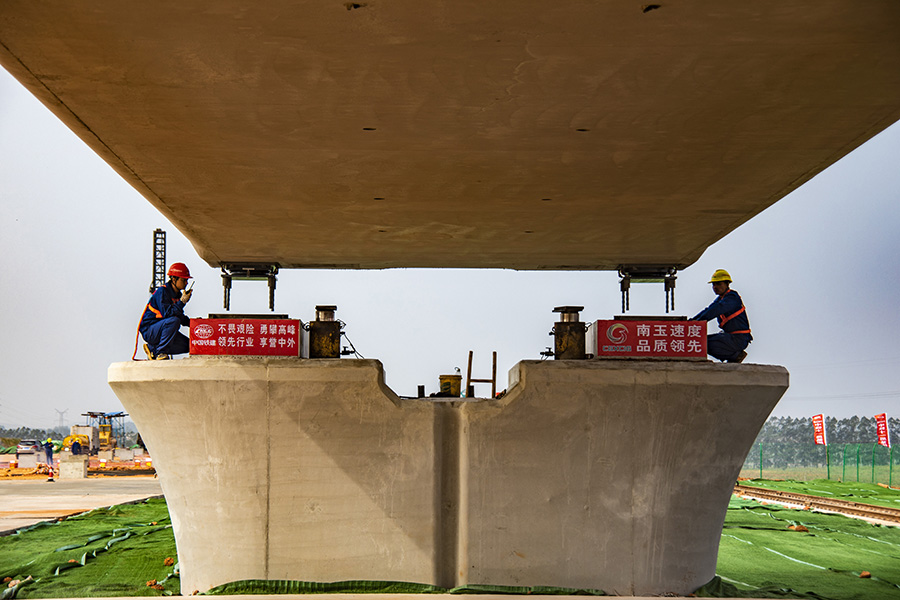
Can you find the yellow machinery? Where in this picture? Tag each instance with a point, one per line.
(109, 427)
(84, 440)
(107, 441)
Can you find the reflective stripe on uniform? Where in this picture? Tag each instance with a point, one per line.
(723, 320)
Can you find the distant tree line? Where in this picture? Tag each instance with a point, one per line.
(855, 430)
(11, 437)
(790, 441)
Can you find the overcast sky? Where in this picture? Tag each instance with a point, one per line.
(818, 272)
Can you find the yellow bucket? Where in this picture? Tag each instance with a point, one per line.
(450, 385)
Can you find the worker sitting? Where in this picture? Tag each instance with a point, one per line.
(728, 308)
(164, 315)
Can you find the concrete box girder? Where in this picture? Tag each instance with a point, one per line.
(286, 468)
(587, 474)
(625, 468)
(577, 135)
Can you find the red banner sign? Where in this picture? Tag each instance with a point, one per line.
(881, 425)
(819, 429)
(245, 337)
(674, 339)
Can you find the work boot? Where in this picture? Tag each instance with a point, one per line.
(151, 356)
(740, 357)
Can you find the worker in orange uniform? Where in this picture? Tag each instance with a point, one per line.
(728, 308)
(164, 315)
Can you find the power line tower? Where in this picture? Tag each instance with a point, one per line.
(159, 260)
(62, 417)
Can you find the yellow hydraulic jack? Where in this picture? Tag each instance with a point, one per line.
(325, 334)
(569, 334)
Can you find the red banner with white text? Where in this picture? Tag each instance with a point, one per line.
(819, 429)
(644, 339)
(881, 426)
(245, 337)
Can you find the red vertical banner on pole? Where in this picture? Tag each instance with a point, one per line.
(819, 429)
(881, 425)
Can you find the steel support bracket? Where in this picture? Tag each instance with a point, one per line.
(664, 274)
(249, 272)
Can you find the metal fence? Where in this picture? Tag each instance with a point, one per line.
(867, 463)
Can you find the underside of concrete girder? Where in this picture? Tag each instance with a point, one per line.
(525, 135)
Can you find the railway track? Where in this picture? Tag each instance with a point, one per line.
(845, 507)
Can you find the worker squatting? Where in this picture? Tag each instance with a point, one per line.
(164, 316)
(728, 308)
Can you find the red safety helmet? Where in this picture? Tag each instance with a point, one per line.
(179, 270)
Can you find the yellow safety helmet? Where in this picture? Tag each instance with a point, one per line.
(720, 275)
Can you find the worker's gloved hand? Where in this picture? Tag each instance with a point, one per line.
(186, 296)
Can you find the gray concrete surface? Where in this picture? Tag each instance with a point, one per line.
(608, 474)
(72, 467)
(601, 474)
(456, 133)
(296, 469)
(24, 503)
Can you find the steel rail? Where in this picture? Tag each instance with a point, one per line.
(847, 507)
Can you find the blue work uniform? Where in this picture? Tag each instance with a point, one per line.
(163, 317)
(729, 310)
(48, 452)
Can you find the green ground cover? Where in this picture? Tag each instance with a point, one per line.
(849, 473)
(116, 551)
(758, 550)
(105, 552)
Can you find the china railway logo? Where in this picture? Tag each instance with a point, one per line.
(204, 331)
(617, 333)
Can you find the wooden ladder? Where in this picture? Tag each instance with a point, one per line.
(492, 380)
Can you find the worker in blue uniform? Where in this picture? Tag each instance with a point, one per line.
(728, 308)
(164, 315)
(48, 452)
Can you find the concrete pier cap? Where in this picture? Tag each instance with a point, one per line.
(611, 475)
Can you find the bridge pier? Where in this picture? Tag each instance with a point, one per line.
(587, 474)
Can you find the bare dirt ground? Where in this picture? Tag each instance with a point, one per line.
(32, 500)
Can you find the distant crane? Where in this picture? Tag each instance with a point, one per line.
(159, 260)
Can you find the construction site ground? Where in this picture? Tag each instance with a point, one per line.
(766, 550)
(33, 499)
(141, 464)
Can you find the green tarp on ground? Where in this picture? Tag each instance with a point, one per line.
(758, 550)
(105, 552)
(115, 552)
(257, 586)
